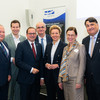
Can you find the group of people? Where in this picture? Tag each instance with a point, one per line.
(28, 63)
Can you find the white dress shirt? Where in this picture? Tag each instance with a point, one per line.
(53, 50)
(44, 41)
(16, 41)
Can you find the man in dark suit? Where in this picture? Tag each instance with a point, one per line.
(28, 58)
(43, 39)
(5, 68)
(92, 44)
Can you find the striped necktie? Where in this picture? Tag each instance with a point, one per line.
(4, 49)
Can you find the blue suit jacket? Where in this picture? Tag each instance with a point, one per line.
(25, 60)
(56, 60)
(5, 66)
(93, 64)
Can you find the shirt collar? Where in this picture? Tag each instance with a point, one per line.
(31, 42)
(15, 37)
(56, 42)
(95, 36)
(44, 38)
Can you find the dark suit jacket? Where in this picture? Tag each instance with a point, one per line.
(5, 66)
(93, 64)
(25, 60)
(56, 60)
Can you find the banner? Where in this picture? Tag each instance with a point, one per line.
(55, 16)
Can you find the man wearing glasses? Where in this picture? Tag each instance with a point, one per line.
(43, 39)
(28, 58)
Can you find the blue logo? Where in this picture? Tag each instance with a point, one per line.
(49, 12)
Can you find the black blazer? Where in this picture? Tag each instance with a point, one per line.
(56, 60)
(25, 60)
(5, 66)
(93, 64)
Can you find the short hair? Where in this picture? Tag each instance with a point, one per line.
(15, 21)
(55, 27)
(29, 28)
(40, 23)
(72, 29)
(91, 19)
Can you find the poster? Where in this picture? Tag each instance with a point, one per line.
(55, 16)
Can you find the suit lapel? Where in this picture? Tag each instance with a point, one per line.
(57, 50)
(3, 51)
(37, 50)
(87, 46)
(96, 47)
(29, 48)
(12, 41)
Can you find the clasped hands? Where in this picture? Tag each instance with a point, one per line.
(51, 66)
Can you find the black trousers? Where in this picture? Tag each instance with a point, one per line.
(29, 91)
(93, 89)
(53, 90)
(4, 92)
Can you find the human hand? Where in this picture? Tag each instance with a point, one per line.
(35, 71)
(54, 66)
(78, 86)
(48, 66)
(41, 82)
(9, 78)
(60, 85)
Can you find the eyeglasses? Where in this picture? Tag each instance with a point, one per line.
(40, 27)
(70, 35)
(31, 33)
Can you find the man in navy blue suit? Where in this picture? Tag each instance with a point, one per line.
(5, 68)
(92, 74)
(43, 39)
(29, 62)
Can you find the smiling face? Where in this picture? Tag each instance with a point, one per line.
(41, 28)
(15, 28)
(71, 36)
(2, 33)
(55, 35)
(92, 28)
(31, 34)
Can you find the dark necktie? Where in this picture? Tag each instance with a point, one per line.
(4, 50)
(42, 46)
(33, 50)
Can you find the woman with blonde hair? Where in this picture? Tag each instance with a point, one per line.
(52, 59)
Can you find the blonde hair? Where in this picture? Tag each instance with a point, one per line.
(55, 27)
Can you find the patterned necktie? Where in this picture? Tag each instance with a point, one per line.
(33, 50)
(92, 46)
(4, 50)
(42, 46)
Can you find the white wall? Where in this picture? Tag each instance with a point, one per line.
(13, 9)
(71, 20)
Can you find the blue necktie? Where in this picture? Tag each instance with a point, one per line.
(4, 50)
(42, 46)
